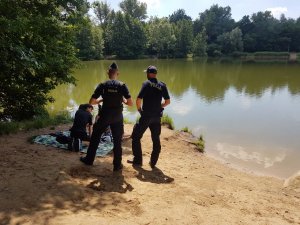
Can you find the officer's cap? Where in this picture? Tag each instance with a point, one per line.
(113, 66)
(151, 69)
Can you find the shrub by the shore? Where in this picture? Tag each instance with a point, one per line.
(167, 121)
(36, 123)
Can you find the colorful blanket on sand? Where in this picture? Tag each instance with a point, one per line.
(105, 145)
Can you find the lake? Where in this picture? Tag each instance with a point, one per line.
(249, 114)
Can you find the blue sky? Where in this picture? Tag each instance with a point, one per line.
(239, 8)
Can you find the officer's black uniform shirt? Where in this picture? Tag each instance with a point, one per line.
(112, 92)
(152, 92)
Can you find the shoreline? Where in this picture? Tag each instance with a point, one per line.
(45, 185)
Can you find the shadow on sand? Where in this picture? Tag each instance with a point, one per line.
(154, 176)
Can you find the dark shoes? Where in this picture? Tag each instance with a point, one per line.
(152, 165)
(134, 163)
(118, 168)
(83, 160)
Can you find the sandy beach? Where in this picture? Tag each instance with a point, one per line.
(46, 185)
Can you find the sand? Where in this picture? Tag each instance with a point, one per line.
(45, 185)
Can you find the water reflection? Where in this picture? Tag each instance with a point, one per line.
(246, 105)
(239, 152)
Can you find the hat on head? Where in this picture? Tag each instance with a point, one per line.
(113, 66)
(151, 69)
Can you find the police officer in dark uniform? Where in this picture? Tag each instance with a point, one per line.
(114, 93)
(149, 104)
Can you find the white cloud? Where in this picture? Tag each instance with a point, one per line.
(152, 4)
(277, 11)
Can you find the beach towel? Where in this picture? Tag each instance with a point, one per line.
(105, 145)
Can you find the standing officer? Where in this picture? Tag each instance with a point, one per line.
(150, 95)
(113, 93)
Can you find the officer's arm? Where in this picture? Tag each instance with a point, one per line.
(95, 101)
(165, 103)
(139, 104)
(128, 101)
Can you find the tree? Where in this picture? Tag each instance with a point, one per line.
(161, 38)
(216, 20)
(103, 12)
(98, 42)
(263, 32)
(200, 44)
(134, 8)
(37, 53)
(126, 36)
(89, 41)
(231, 41)
(179, 15)
(184, 38)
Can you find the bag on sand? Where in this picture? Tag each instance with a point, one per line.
(61, 138)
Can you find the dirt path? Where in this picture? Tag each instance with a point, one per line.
(44, 185)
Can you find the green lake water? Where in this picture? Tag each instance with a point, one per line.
(249, 114)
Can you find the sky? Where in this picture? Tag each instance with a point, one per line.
(239, 8)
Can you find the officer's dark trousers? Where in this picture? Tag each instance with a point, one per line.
(115, 121)
(139, 129)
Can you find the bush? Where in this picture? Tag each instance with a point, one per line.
(186, 129)
(168, 121)
(200, 143)
(36, 123)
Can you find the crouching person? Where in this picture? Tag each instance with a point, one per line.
(83, 121)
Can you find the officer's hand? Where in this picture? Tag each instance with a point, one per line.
(161, 112)
(140, 111)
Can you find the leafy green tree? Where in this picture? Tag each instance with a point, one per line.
(200, 44)
(134, 8)
(263, 31)
(184, 38)
(37, 53)
(127, 36)
(89, 41)
(231, 41)
(216, 20)
(214, 50)
(246, 26)
(98, 42)
(179, 15)
(137, 37)
(161, 37)
(102, 11)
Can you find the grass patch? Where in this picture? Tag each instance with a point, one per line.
(36, 123)
(200, 143)
(127, 121)
(167, 121)
(186, 130)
